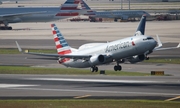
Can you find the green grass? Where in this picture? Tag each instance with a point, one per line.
(162, 60)
(87, 103)
(39, 70)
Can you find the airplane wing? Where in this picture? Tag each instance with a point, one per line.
(158, 48)
(85, 57)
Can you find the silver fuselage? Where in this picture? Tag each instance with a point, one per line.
(124, 14)
(119, 49)
(37, 14)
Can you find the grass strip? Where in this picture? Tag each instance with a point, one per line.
(71, 71)
(88, 103)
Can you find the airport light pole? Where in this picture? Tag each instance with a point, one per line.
(129, 4)
(121, 4)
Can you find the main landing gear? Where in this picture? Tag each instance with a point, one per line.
(94, 69)
(117, 67)
(5, 28)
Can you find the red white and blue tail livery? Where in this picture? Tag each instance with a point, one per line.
(61, 44)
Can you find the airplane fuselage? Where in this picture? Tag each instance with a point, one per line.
(36, 14)
(124, 14)
(124, 48)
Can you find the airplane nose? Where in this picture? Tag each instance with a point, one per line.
(155, 43)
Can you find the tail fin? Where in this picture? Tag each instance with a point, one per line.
(86, 7)
(141, 27)
(70, 5)
(61, 44)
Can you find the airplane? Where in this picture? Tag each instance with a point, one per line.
(132, 49)
(115, 14)
(38, 14)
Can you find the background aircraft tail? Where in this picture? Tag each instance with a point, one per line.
(61, 44)
(86, 7)
(70, 5)
(141, 27)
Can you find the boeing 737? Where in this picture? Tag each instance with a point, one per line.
(116, 14)
(38, 14)
(133, 49)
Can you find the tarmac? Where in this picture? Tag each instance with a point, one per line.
(39, 36)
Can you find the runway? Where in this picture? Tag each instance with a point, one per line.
(39, 36)
(99, 86)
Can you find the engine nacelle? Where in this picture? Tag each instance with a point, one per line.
(137, 58)
(97, 59)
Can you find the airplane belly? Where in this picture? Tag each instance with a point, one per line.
(123, 53)
(38, 18)
(77, 64)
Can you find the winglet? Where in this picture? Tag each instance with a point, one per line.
(19, 48)
(178, 45)
(159, 41)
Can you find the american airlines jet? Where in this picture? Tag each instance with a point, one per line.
(38, 14)
(133, 49)
(116, 14)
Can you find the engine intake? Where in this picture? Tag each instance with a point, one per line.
(137, 58)
(97, 59)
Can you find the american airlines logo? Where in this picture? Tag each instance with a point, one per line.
(115, 47)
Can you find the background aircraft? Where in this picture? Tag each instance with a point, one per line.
(116, 14)
(38, 14)
(133, 49)
(15, 1)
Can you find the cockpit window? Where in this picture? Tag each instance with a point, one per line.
(148, 38)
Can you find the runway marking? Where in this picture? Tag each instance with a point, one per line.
(178, 97)
(14, 85)
(95, 80)
(96, 91)
(79, 97)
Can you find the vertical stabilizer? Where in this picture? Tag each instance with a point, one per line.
(141, 27)
(61, 44)
(70, 5)
(84, 5)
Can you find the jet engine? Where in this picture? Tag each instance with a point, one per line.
(97, 59)
(137, 58)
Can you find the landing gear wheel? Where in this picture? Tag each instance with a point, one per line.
(94, 69)
(9, 28)
(147, 58)
(117, 68)
(2, 28)
(115, 20)
(5, 28)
